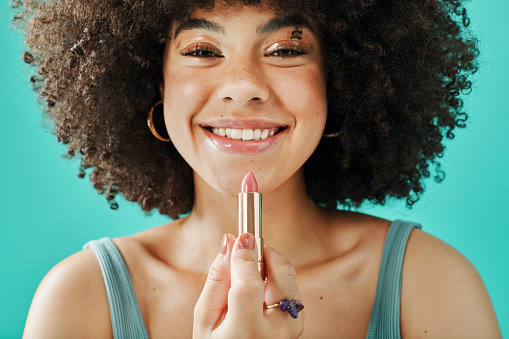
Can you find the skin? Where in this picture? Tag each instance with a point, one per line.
(193, 280)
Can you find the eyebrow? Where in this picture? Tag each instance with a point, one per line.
(283, 22)
(268, 27)
(198, 24)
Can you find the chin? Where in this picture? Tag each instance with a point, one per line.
(228, 181)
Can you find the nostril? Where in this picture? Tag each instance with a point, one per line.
(243, 92)
(256, 99)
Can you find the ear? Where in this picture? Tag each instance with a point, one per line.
(160, 84)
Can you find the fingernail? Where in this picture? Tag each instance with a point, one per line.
(224, 243)
(247, 241)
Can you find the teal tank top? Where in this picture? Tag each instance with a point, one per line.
(127, 321)
(125, 313)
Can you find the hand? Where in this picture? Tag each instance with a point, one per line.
(234, 298)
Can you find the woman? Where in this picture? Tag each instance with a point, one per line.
(325, 104)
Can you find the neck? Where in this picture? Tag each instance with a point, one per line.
(290, 220)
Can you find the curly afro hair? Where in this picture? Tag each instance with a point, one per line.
(396, 73)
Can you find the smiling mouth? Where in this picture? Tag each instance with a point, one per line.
(245, 134)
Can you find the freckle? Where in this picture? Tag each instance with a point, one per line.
(154, 289)
(425, 331)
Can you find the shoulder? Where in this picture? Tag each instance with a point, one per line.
(442, 294)
(70, 301)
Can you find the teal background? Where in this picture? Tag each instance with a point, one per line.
(48, 213)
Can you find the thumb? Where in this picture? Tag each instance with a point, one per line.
(246, 296)
(213, 301)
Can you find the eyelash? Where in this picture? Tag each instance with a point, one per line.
(205, 51)
(286, 52)
(201, 51)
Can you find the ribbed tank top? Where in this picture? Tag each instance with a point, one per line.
(127, 321)
(125, 313)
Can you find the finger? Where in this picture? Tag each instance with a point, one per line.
(245, 298)
(281, 284)
(213, 300)
(281, 277)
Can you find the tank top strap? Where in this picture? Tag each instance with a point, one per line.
(385, 315)
(126, 318)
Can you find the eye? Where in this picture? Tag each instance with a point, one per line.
(285, 49)
(284, 52)
(201, 50)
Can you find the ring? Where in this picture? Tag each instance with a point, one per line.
(293, 307)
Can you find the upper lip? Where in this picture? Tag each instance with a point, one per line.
(240, 123)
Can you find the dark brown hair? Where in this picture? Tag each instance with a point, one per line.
(396, 71)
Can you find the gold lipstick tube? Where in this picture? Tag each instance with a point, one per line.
(250, 221)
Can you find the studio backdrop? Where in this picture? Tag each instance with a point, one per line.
(47, 212)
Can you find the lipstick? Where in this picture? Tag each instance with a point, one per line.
(249, 203)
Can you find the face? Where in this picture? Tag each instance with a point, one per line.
(244, 90)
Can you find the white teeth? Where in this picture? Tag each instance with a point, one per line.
(244, 134)
(257, 134)
(264, 134)
(236, 133)
(247, 134)
(219, 131)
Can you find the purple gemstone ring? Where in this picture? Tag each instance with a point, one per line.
(293, 307)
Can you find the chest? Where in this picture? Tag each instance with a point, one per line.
(336, 305)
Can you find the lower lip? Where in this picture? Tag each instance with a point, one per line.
(240, 146)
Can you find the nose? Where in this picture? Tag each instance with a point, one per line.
(243, 83)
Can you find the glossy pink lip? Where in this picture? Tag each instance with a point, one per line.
(250, 147)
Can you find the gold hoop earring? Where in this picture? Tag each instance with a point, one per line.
(150, 123)
(333, 135)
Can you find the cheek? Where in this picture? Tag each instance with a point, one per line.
(184, 94)
(305, 95)
(184, 88)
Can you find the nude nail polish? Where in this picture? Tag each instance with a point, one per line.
(247, 241)
(224, 244)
